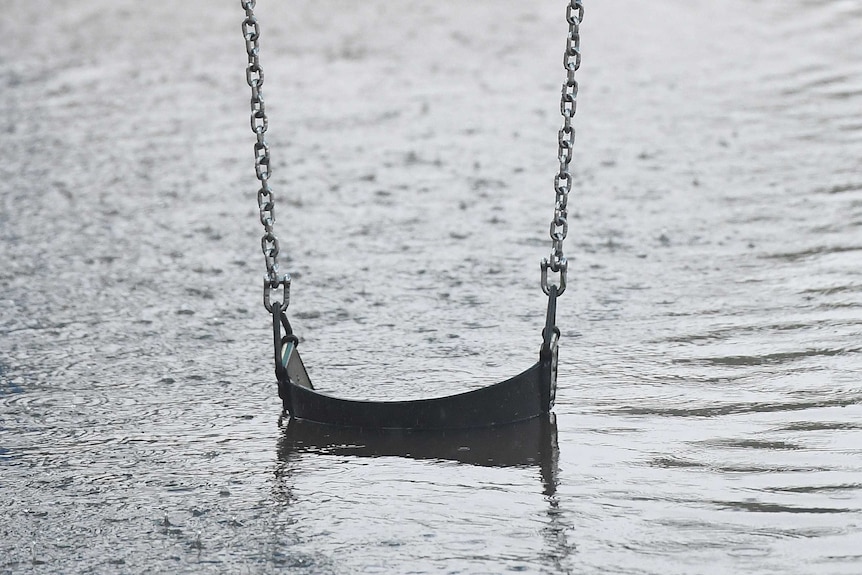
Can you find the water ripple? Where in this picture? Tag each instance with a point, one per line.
(741, 407)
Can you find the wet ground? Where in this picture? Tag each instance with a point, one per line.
(709, 414)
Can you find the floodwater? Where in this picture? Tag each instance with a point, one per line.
(709, 410)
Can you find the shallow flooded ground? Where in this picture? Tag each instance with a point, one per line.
(709, 411)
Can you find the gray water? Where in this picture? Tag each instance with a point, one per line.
(709, 411)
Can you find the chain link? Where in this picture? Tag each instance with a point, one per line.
(265, 198)
(559, 229)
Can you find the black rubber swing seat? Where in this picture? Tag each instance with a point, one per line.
(525, 396)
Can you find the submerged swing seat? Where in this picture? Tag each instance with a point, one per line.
(527, 395)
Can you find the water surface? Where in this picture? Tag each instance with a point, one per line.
(709, 408)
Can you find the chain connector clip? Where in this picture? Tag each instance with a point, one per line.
(562, 267)
(270, 284)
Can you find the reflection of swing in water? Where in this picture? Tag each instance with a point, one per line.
(525, 396)
(526, 444)
(523, 444)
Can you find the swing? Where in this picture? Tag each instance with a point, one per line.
(525, 396)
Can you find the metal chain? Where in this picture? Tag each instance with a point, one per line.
(559, 227)
(557, 262)
(262, 167)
